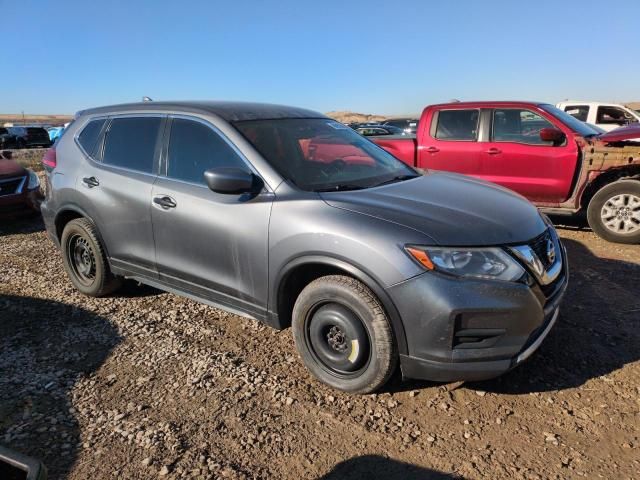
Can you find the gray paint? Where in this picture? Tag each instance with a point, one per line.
(234, 250)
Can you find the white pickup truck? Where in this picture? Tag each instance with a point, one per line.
(607, 116)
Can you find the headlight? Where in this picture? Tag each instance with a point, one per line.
(34, 181)
(487, 263)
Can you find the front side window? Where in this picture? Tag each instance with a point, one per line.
(461, 125)
(89, 135)
(519, 126)
(195, 148)
(613, 116)
(131, 143)
(319, 154)
(581, 112)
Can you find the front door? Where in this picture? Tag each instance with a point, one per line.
(516, 157)
(212, 245)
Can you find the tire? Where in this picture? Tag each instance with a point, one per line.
(614, 212)
(85, 261)
(343, 335)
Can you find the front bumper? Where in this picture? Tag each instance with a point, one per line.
(25, 203)
(473, 330)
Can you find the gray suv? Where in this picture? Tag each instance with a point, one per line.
(283, 215)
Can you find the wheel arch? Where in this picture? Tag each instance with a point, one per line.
(626, 173)
(298, 273)
(72, 212)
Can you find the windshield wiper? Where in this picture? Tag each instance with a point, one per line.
(340, 187)
(397, 178)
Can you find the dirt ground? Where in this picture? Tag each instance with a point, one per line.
(146, 384)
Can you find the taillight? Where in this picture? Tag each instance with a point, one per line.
(49, 159)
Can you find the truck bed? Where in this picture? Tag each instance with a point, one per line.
(403, 147)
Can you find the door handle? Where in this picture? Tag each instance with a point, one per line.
(433, 150)
(90, 182)
(494, 151)
(165, 201)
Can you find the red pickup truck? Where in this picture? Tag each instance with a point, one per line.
(562, 165)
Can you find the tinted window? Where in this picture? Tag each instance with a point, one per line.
(519, 126)
(89, 135)
(457, 125)
(195, 148)
(3, 131)
(574, 124)
(613, 116)
(578, 111)
(131, 143)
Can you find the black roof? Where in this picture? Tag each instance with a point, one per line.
(229, 111)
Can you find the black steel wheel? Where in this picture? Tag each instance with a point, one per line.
(343, 334)
(85, 260)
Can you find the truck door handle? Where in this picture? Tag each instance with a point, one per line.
(165, 201)
(90, 182)
(433, 150)
(494, 151)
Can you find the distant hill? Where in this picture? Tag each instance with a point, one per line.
(633, 105)
(19, 119)
(349, 117)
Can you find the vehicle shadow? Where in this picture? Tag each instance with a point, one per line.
(46, 347)
(25, 224)
(598, 330)
(372, 467)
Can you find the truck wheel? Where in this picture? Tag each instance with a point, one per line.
(343, 334)
(85, 261)
(614, 212)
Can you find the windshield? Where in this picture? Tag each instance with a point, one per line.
(574, 124)
(320, 154)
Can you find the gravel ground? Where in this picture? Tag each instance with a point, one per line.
(146, 384)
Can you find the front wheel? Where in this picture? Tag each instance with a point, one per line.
(614, 212)
(343, 334)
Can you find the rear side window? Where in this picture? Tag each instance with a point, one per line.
(457, 125)
(89, 135)
(518, 126)
(131, 143)
(581, 112)
(195, 148)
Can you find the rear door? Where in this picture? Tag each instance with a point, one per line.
(115, 186)
(515, 156)
(210, 244)
(451, 141)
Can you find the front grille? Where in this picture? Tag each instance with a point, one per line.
(539, 246)
(11, 186)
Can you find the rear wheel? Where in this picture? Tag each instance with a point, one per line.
(614, 212)
(343, 334)
(85, 261)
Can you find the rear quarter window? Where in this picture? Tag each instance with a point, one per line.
(88, 137)
(130, 143)
(460, 125)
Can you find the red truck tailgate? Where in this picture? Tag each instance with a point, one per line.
(403, 148)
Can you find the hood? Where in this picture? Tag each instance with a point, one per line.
(452, 209)
(11, 168)
(629, 132)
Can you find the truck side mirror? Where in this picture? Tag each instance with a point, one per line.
(552, 135)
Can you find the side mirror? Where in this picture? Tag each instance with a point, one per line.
(552, 135)
(230, 180)
(7, 154)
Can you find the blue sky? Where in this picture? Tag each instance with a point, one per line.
(388, 57)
